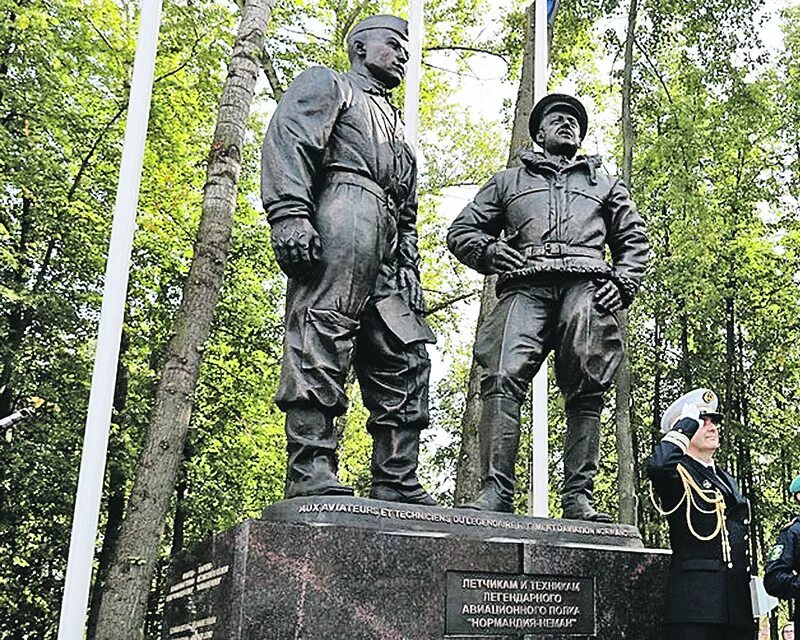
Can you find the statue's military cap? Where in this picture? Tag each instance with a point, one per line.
(392, 23)
(705, 400)
(558, 102)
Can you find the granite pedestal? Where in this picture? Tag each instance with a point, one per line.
(355, 569)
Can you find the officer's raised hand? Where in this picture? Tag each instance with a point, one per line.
(500, 258)
(689, 421)
(410, 288)
(297, 246)
(608, 297)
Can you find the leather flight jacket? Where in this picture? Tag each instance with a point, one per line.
(560, 217)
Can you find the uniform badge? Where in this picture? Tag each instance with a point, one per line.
(776, 552)
(706, 484)
(708, 396)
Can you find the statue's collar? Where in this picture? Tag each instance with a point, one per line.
(368, 84)
(535, 159)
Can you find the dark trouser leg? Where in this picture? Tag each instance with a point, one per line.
(394, 385)
(581, 459)
(587, 357)
(322, 318)
(499, 439)
(312, 464)
(511, 346)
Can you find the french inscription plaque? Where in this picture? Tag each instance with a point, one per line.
(495, 604)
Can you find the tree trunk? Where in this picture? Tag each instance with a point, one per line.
(123, 608)
(626, 472)
(468, 468)
(725, 450)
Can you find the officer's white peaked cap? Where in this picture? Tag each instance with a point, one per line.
(705, 399)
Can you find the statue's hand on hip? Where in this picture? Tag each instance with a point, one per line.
(411, 289)
(500, 257)
(607, 297)
(297, 246)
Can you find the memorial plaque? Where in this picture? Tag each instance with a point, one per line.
(497, 604)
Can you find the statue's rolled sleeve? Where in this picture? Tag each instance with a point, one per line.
(295, 143)
(627, 240)
(476, 227)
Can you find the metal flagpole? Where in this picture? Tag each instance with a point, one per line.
(538, 482)
(411, 107)
(72, 623)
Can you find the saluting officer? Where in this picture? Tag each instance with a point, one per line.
(780, 575)
(708, 593)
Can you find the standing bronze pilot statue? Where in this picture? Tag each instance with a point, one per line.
(339, 189)
(544, 227)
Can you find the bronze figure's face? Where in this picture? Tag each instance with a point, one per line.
(560, 133)
(385, 56)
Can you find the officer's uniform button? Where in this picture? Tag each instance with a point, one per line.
(747, 522)
(730, 565)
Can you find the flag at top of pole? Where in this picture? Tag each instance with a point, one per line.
(552, 9)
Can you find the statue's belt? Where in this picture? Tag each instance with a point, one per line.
(340, 176)
(559, 250)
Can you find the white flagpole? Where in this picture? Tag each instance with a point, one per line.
(72, 623)
(411, 107)
(537, 489)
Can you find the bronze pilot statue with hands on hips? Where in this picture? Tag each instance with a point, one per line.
(339, 188)
(708, 588)
(543, 228)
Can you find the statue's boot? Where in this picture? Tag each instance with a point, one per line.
(581, 458)
(395, 454)
(499, 443)
(312, 464)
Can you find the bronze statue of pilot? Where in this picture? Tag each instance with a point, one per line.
(544, 227)
(339, 189)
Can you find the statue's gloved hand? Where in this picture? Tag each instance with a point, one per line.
(500, 258)
(607, 297)
(297, 246)
(410, 289)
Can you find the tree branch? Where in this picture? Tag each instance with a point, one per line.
(450, 302)
(488, 52)
(653, 68)
(272, 75)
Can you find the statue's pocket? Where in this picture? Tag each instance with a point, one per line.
(328, 340)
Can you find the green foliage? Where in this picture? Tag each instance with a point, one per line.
(716, 165)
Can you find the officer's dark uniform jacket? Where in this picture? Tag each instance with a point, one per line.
(560, 218)
(780, 575)
(708, 584)
(334, 153)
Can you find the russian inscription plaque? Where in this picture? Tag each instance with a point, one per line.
(496, 604)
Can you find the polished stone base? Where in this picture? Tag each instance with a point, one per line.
(407, 573)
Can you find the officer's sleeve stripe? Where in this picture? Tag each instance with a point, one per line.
(678, 439)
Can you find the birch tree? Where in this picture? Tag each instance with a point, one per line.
(124, 600)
